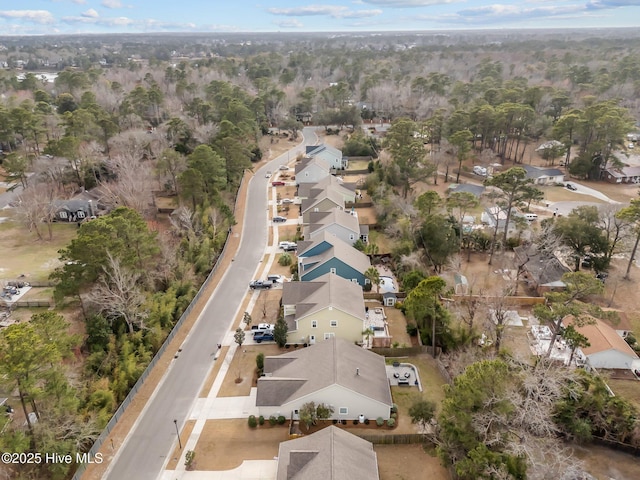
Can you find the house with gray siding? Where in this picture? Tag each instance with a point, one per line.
(347, 190)
(311, 170)
(340, 223)
(329, 154)
(322, 200)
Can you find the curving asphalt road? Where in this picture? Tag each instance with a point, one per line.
(153, 436)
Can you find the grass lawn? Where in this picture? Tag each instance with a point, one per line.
(409, 462)
(627, 389)
(384, 243)
(243, 366)
(560, 194)
(357, 165)
(398, 327)
(22, 253)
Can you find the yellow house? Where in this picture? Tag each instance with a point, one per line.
(327, 307)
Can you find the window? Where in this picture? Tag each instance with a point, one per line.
(367, 281)
(314, 324)
(80, 214)
(316, 209)
(334, 323)
(327, 336)
(343, 411)
(354, 280)
(333, 270)
(62, 214)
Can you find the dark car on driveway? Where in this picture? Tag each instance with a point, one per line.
(571, 186)
(259, 284)
(279, 219)
(264, 337)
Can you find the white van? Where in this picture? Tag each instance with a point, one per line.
(531, 216)
(478, 170)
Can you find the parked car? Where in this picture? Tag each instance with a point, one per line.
(283, 167)
(273, 278)
(259, 284)
(262, 328)
(286, 200)
(277, 183)
(288, 246)
(571, 186)
(478, 170)
(263, 337)
(268, 174)
(279, 219)
(630, 146)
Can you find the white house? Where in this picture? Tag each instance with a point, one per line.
(608, 350)
(335, 372)
(329, 154)
(544, 176)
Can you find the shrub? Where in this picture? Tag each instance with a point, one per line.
(391, 422)
(367, 287)
(285, 260)
(253, 423)
(379, 421)
(273, 420)
(260, 420)
(355, 421)
(343, 422)
(260, 363)
(281, 420)
(335, 421)
(412, 329)
(394, 408)
(188, 459)
(394, 415)
(366, 421)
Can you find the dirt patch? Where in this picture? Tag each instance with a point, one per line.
(204, 393)
(366, 216)
(627, 389)
(243, 366)
(278, 269)
(287, 233)
(606, 463)
(225, 444)
(267, 307)
(177, 451)
(409, 462)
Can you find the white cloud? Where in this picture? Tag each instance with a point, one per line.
(334, 11)
(407, 3)
(35, 16)
(91, 13)
(292, 23)
(501, 13)
(79, 2)
(112, 3)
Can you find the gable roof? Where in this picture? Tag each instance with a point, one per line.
(544, 270)
(320, 220)
(328, 454)
(311, 161)
(326, 291)
(333, 362)
(341, 251)
(318, 195)
(476, 190)
(624, 172)
(346, 189)
(601, 337)
(312, 150)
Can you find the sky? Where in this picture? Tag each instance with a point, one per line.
(35, 17)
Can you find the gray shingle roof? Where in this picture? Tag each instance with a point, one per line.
(329, 454)
(306, 162)
(327, 291)
(340, 250)
(346, 189)
(319, 195)
(331, 362)
(321, 220)
(534, 172)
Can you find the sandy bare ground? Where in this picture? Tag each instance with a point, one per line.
(409, 462)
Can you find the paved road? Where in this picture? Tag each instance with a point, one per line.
(154, 434)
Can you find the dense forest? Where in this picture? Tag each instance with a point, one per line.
(183, 116)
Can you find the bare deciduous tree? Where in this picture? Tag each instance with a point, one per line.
(118, 295)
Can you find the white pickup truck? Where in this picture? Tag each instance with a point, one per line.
(262, 328)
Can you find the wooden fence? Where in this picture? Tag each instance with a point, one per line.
(396, 439)
(32, 303)
(520, 301)
(403, 351)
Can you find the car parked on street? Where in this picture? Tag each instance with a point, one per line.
(268, 174)
(259, 284)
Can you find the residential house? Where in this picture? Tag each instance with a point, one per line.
(542, 273)
(496, 214)
(329, 254)
(543, 176)
(322, 200)
(323, 308)
(340, 223)
(331, 454)
(607, 349)
(347, 190)
(336, 372)
(330, 154)
(84, 205)
(311, 170)
(622, 175)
